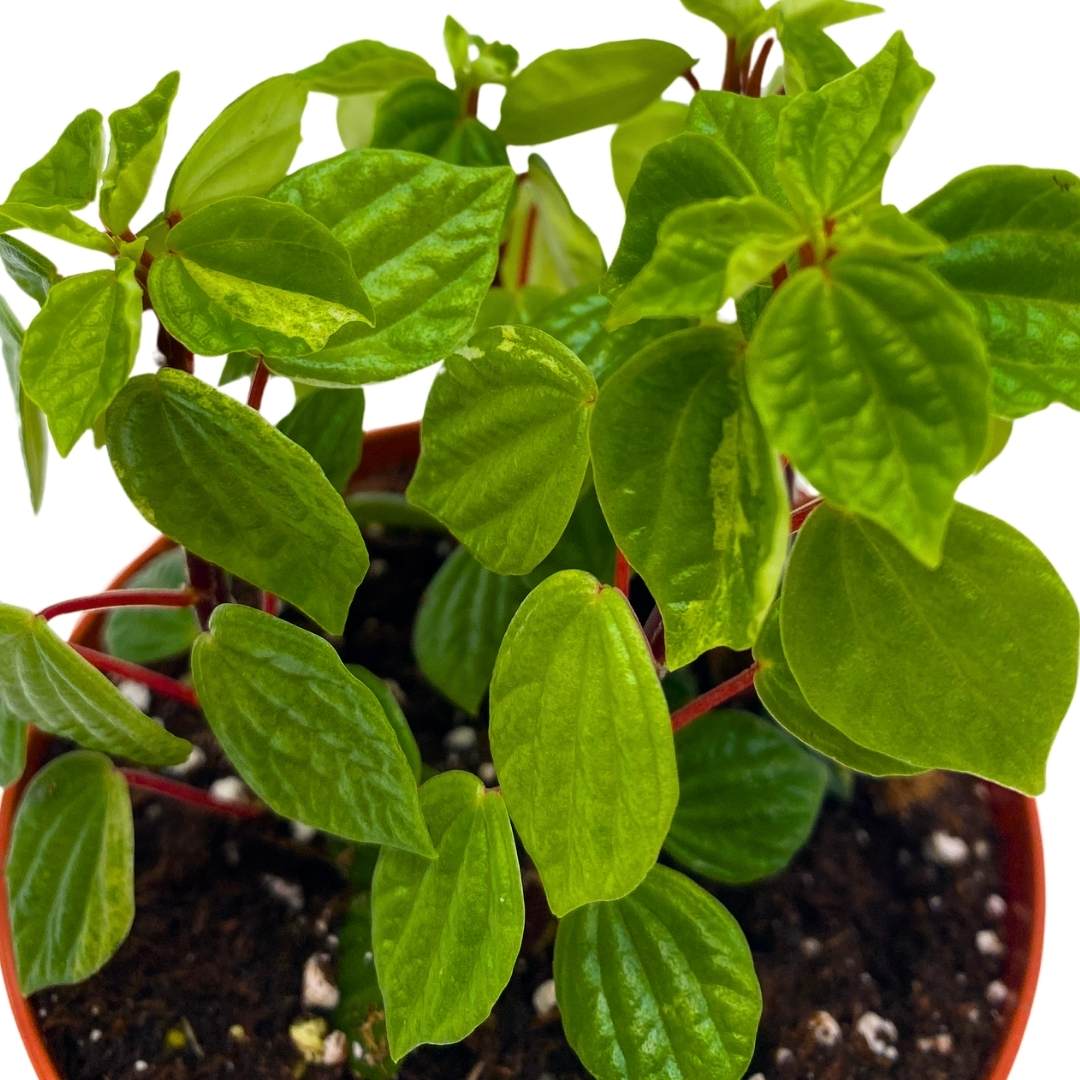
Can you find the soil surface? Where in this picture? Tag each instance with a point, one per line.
(879, 949)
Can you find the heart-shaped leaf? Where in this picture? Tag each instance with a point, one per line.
(447, 930)
(220, 480)
(67, 176)
(504, 445)
(870, 375)
(363, 66)
(749, 796)
(70, 872)
(46, 683)
(933, 666)
(329, 425)
(659, 983)
(29, 269)
(392, 710)
(246, 150)
(247, 274)
(307, 736)
(423, 237)
(575, 679)
(692, 491)
(80, 349)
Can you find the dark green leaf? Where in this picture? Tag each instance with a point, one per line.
(691, 489)
(391, 510)
(635, 137)
(217, 477)
(29, 269)
(237, 366)
(246, 150)
(1013, 254)
(329, 425)
(835, 144)
(67, 176)
(80, 349)
(138, 134)
(418, 115)
(447, 931)
(505, 445)
(780, 694)
(70, 872)
(658, 984)
(150, 635)
(575, 679)
(423, 237)
(571, 90)
(363, 66)
(933, 666)
(308, 737)
(869, 375)
(33, 434)
(473, 143)
(46, 683)
(749, 796)
(392, 710)
(247, 274)
(13, 735)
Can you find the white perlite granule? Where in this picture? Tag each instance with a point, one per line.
(195, 760)
(937, 1044)
(997, 993)
(880, 1034)
(136, 693)
(988, 943)
(335, 1049)
(543, 998)
(945, 849)
(460, 738)
(996, 907)
(319, 991)
(229, 789)
(486, 772)
(288, 893)
(824, 1028)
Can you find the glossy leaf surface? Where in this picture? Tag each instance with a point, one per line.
(13, 735)
(29, 269)
(329, 425)
(67, 176)
(363, 66)
(33, 433)
(635, 137)
(392, 710)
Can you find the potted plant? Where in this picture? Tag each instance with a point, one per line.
(661, 690)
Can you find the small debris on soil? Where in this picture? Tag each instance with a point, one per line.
(229, 789)
(880, 1035)
(946, 850)
(543, 999)
(320, 991)
(136, 693)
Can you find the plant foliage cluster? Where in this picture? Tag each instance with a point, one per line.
(585, 417)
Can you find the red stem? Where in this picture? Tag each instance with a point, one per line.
(779, 276)
(733, 687)
(753, 85)
(173, 353)
(472, 102)
(731, 67)
(160, 684)
(527, 246)
(654, 635)
(191, 796)
(259, 378)
(622, 573)
(692, 79)
(801, 513)
(115, 598)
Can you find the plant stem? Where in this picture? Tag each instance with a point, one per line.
(757, 75)
(731, 67)
(115, 598)
(259, 378)
(173, 353)
(621, 579)
(692, 79)
(472, 102)
(160, 684)
(527, 246)
(779, 276)
(801, 513)
(189, 795)
(208, 583)
(702, 704)
(654, 635)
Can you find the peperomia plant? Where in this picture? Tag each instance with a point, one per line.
(590, 423)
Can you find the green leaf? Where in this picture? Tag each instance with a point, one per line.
(248, 274)
(363, 66)
(70, 872)
(138, 134)
(13, 735)
(680, 172)
(933, 666)
(811, 57)
(1013, 255)
(780, 694)
(997, 438)
(215, 476)
(547, 244)
(835, 144)
(246, 150)
(505, 445)
(150, 635)
(749, 796)
(80, 349)
(869, 375)
(356, 118)
(329, 425)
(476, 61)
(33, 435)
(474, 143)
(54, 221)
(237, 366)
(391, 510)
(307, 737)
(392, 710)
(67, 176)
(29, 269)
(884, 231)
(447, 931)
(575, 680)
(572, 90)
(693, 493)
(423, 237)
(418, 115)
(747, 128)
(635, 137)
(743, 20)
(46, 683)
(660, 983)
(706, 254)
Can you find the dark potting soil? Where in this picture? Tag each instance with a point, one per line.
(878, 949)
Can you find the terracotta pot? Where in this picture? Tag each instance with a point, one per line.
(389, 456)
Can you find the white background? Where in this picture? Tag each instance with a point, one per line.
(1006, 93)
